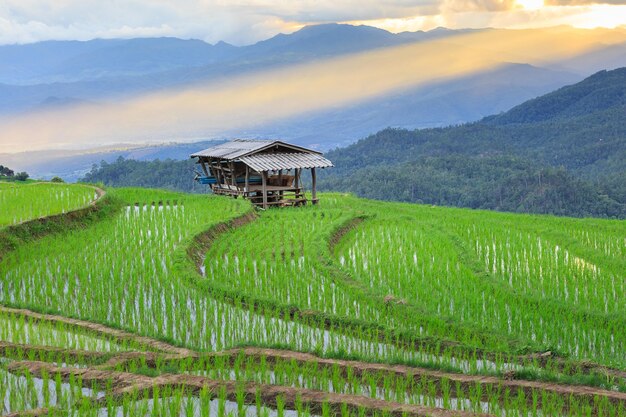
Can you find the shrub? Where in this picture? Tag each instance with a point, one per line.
(21, 176)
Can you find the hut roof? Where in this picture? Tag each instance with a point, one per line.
(266, 155)
(275, 161)
(242, 147)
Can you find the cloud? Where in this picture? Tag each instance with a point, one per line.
(583, 2)
(238, 21)
(247, 21)
(456, 6)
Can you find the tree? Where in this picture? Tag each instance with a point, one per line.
(6, 171)
(21, 176)
(57, 179)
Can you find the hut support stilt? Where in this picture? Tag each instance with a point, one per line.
(313, 186)
(264, 188)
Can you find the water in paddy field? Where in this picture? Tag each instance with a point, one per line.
(38, 396)
(14, 331)
(217, 407)
(35, 390)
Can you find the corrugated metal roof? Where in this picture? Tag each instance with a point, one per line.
(241, 147)
(275, 161)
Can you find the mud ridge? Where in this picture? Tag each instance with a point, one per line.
(36, 412)
(359, 368)
(465, 382)
(138, 385)
(99, 329)
(541, 359)
(203, 241)
(13, 235)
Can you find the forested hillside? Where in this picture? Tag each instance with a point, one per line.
(563, 153)
(168, 174)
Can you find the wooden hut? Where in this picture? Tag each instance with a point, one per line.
(267, 172)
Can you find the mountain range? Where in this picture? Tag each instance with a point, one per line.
(53, 74)
(65, 73)
(562, 153)
(570, 144)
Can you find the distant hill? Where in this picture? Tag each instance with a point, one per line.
(563, 153)
(73, 165)
(602, 91)
(326, 39)
(70, 61)
(67, 61)
(55, 74)
(59, 73)
(441, 104)
(445, 103)
(578, 130)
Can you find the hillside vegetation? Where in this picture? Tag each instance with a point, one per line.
(61, 75)
(175, 304)
(563, 153)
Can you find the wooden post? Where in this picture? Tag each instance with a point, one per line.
(218, 172)
(297, 182)
(247, 186)
(203, 165)
(313, 185)
(264, 188)
(233, 178)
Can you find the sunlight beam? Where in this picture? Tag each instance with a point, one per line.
(248, 101)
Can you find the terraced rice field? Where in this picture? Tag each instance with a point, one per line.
(161, 303)
(20, 202)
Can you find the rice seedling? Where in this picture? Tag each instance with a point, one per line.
(23, 202)
(122, 272)
(26, 392)
(457, 290)
(472, 269)
(21, 330)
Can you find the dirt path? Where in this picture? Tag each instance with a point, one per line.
(127, 383)
(465, 381)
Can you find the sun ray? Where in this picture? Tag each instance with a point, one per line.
(530, 4)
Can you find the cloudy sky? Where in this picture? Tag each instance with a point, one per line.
(213, 108)
(247, 21)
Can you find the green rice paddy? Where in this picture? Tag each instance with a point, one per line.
(442, 291)
(22, 202)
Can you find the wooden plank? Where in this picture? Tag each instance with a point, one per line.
(204, 168)
(247, 185)
(233, 180)
(313, 187)
(254, 187)
(264, 186)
